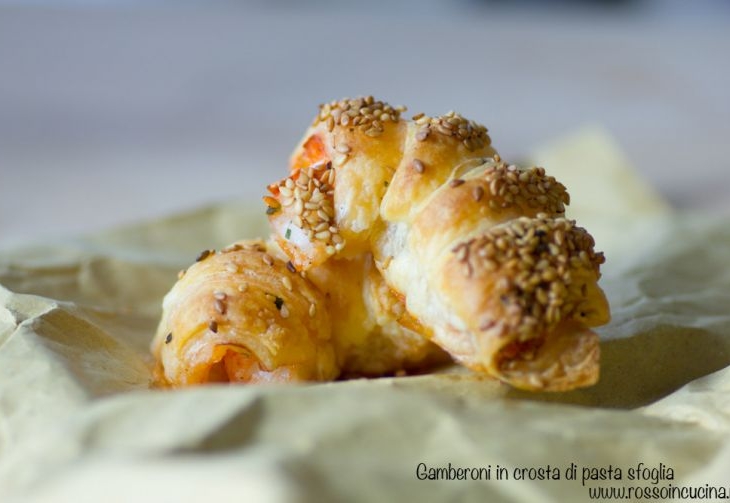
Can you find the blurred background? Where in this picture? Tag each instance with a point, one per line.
(117, 111)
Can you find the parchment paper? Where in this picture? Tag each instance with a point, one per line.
(79, 423)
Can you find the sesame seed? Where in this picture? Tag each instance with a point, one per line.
(418, 165)
(168, 339)
(231, 248)
(284, 311)
(231, 267)
(181, 273)
(220, 306)
(342, 148)
(267, 259)
(477, 193)
(213, 327)
(203, 255)
(287, 282)
(272, 203)
(312, 310)
(456, 182)
(291, 267)
(219, 295)
(443, 130)
(242, 287)
(317, 196)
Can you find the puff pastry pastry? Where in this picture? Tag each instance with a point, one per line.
(240, 315)
(475, 247)
(405, 236)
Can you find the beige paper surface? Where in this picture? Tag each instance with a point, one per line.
(78, 422)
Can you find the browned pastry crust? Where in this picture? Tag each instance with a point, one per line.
(419, 195)
(395, 242)
(241, 315)
(527, 291)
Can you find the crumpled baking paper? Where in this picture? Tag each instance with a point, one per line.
(79, 422)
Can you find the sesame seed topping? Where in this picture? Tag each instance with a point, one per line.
(312, 310)
(284, 311)
(478, 193)
(232, 248)
(278, 302)
(287, 282)
(456, 182)
(311, 205)
(168, 339)
(531, 188)
(290, 266)
(219, 295)
(242, 287)
(471, 134)
(213, 327)
(203, 255)
(272, 204)
(535, 273)
(181, 273)
(418, 165)
(369, 115)
(267, 259)
(220, 306)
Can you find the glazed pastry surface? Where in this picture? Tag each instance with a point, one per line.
(415, 242)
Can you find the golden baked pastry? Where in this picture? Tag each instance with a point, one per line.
(372, 332)
(241, 315)
(431, 200)
(395, 242)
(245, 314)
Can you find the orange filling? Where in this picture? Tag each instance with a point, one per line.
(524, 350)
(313, 151)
